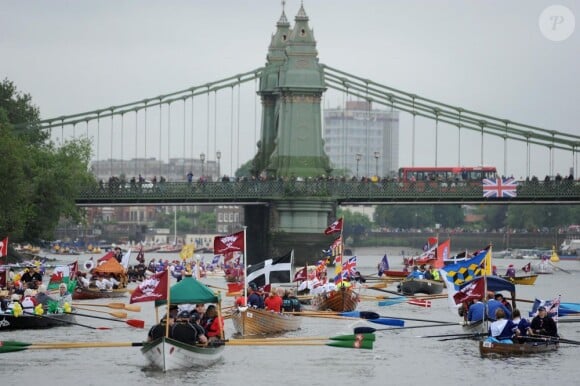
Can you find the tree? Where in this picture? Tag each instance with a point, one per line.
(42, 180)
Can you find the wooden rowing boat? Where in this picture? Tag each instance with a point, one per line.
(523, 280)
(487, 348)
(251, 321)
(28, 322)
(95, 293)
(168, 354)
(393, 273)
(413, 286)
(340, 300)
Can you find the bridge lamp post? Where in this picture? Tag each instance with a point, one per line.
(358, 157)
(218, 155)
(202, 158)
(377, 154)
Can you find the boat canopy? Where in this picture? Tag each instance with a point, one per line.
(189, 291)
(109, 266)
(494, 283)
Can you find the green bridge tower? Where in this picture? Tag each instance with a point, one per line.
(291, 144)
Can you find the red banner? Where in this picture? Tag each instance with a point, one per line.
(154, 288)
(475, 290)
(229, 243)
(334, 227)
(4, 247)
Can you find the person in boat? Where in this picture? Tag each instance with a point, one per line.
(493, 305)
(511, 271)
(115, 284)
(476, 311)
(255, 300)
(290, 303)
(64, 296)
(82, 280)
(435, 273)
(158, 330)
(522, 324)
(274, 301)
(212, 323)
(543, 324)
(29, 300)
(415, 274)
(182, 330)
(358, 277)
(499, 297)
(502, 329)
(42, 297)
(195, 322)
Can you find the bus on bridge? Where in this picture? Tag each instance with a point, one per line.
(447, 174)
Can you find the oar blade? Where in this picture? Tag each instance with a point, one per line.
(14, 343)
(368, 336)
(136, 323)
(7, 349)
(131, 307)
(357, 344)
(364, 330)
(392, 301)
(388, 322)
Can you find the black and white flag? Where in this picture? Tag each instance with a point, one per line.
(276, 270)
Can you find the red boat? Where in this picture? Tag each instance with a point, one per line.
(393, 273)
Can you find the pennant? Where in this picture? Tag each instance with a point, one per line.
(126, 258)
(154, 288)
(383, 265)
(301, 275)
(443, 252)
(187, 251)
(4, 247)
(229, 243)
(334, 227)
(276, 270)
(527, 268)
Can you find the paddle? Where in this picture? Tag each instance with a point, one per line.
(561, 320)
(368, 330)
(454, 335)
(345, 343)
(13, 346)
(131, 322)
(464, 337)
(370, 316)
(360, 336)
(374, 315)
(117, 306)
(66, 321)
(116, 314)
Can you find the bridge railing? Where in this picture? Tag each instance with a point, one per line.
(319, 189)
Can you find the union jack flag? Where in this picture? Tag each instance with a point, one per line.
(349, 266)
(499, 188)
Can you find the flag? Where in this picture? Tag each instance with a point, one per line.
(301, 275)
(349, 266)
(107, 256)
(500, 188)
(154, 288)
(187, 251)
(431, 241)
(140, 256)
(334, 227)
(215, 260)
(443, 252)
(126, 258)
(321, 265)
(277, 270)
(62, 274)
(473, 291)
(454, 275)
(3, 278)
(551, 307)
(4, 247)
(229, 243)
(383, 265)
(527, 268)
(340, 277)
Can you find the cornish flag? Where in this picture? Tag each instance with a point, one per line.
(500, 188)
(277, 270)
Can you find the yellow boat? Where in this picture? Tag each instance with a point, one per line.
(523, 280)
(554, 258)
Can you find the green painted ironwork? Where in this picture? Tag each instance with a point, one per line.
(382, 192)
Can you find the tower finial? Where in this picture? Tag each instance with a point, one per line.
(283, 5)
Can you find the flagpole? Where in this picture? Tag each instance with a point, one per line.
(168, 303)
(245, 269)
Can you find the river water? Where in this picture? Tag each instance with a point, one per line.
(399, 357)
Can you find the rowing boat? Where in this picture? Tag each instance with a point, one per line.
(81, 293)
(28, 322)
(523, 280)
(251, 321)
(414, 286)
(487, 348)
(342, 299)
(168, 354)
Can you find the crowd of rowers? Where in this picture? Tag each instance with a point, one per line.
(190, 324)
(36, 301)
(507, 324)
(275, 300)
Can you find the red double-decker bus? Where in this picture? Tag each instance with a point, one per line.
(446, 174)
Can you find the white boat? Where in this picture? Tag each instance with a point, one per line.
(543, 267)
(168, 354)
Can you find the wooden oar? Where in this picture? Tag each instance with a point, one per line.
(372, 317)
(562, 320)
(368, 330)
(561, 269)
(116, 314)
(131, 322)
(13, 346)
(454, 335)
(360, 336)
(117, 306)
(66, 321)
(357, 344)
(476, 335)
(375, 315)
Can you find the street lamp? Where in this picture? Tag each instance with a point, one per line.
(377, 154)
(202, 158)
(358, 157)
(218, 155)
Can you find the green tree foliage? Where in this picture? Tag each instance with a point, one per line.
(356, 225)
(41, 180)
(418, 216)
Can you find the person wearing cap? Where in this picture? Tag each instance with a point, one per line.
(499, 297)
(511, 271)
(543, 324)
(255, 300)
(28, 301)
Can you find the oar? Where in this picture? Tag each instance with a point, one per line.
(561, 320)
(453, 335)
(116, 314)
(13, 346)
(66, 321)
(117, 306)
(476, 335)
(357, 344)
(561, 269)
(367, 315)
(368, 330)
(131, 322)
(360, 336)
(374, 315)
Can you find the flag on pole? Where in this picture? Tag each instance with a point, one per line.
(126, 258)
(4, 247)
(442, 253)
(550, 305)
(301, 275)
(349, 266)
(229, 243)
(383, 265)
(500, 188)
(527, 268)
(473, 291)
(454, 275)
(277, 270)
(153, 288)
(187, 251)
(62, 274)
(334, 227)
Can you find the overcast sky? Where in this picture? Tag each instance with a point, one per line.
(488, 56)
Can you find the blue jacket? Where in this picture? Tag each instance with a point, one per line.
(255, 300)
(493, 305)
(476, 312)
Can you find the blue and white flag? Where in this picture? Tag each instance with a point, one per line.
(551, 307)
(454, 275)
(383, 265)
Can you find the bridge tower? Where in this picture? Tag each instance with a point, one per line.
(291, 144)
